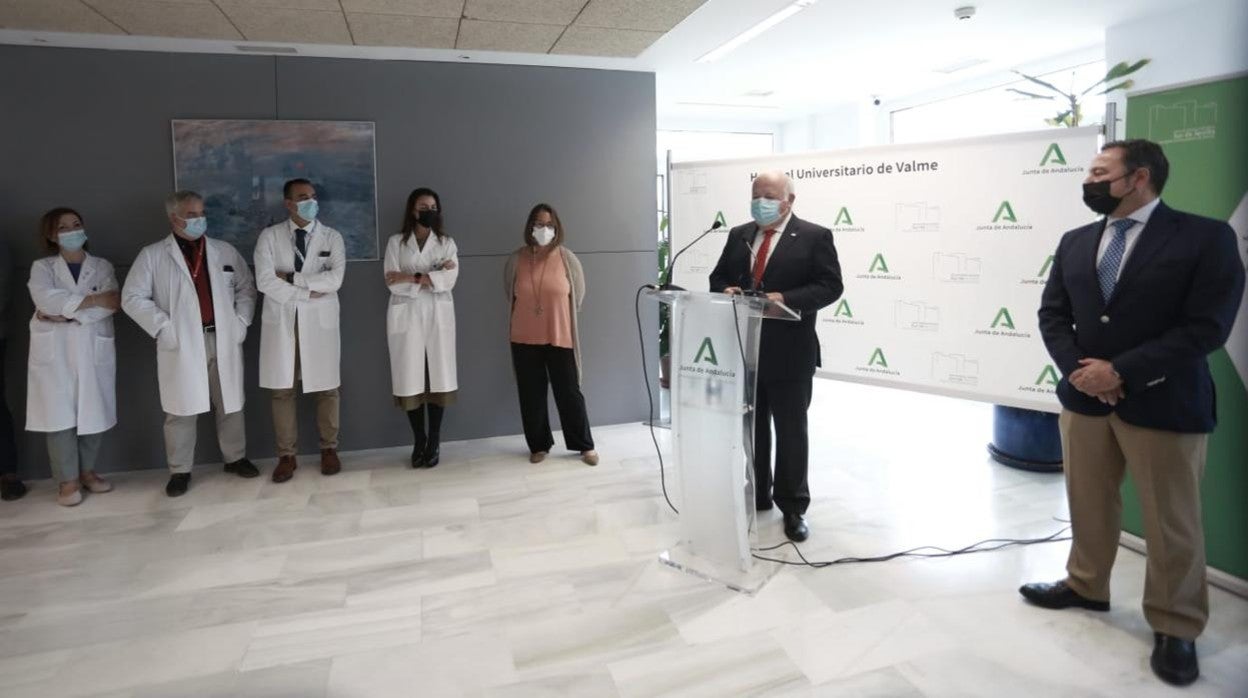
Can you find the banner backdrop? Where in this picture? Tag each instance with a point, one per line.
(944, 249)
(1204, 131)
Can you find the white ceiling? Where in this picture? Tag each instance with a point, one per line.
(833, 53)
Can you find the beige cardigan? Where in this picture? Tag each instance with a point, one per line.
(576, 279)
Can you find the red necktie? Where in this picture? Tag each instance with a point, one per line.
(760, 260)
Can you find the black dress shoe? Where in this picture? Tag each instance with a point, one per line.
(763, 506)
(1174, 660)
(242, 468)
(433, 453)
(178, 482)
(795, 528)
(12, 490)
(1058, 596)
(418, 455)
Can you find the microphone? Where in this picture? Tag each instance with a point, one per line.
(667, 284)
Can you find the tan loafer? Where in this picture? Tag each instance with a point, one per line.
(69, 498)
(96, 484)
(590, 457)
(537, 457)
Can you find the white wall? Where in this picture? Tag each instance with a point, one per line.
(1193, 43)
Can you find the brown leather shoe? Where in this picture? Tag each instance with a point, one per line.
(285, 469)
(330, 465)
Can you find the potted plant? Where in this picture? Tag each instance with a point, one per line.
(1071, 113)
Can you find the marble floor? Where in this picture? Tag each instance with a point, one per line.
(488, 576)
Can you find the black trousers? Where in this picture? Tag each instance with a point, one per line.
(8, 443)
(785, 403)
(536, 367)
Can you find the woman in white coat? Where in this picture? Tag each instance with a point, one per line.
(72, 372)
(421, 267)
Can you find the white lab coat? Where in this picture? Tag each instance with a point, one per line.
(420, 321)
(159, 295)
(285, 302)
(71, 378)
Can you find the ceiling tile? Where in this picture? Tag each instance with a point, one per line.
(508, 36)
(294, 26)
(595, 41)
(395, 30)
(54, 16)
(417, 8)
(181, 19)
(645, 15)
(323, 5)
(524, 11)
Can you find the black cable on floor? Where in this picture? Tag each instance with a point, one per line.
(998, 544)
(645, 373)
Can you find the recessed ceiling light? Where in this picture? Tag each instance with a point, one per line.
(745, 36)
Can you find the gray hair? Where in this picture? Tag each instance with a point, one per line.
(784, 178)
(180, 197)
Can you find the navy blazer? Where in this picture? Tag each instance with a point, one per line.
(1174, 304)
(805, 269)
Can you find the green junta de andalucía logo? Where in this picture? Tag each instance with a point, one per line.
(877, 358)
(843, 217)
(719, 218)
(1003, 319)
(878, 264)
(1044, 268)
(843, 309)
(1053, 155)
(1048, 376)
(707, 350)
(1005, 212)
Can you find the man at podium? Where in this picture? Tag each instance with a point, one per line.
(793, 262)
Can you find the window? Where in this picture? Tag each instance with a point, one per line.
(995, 110)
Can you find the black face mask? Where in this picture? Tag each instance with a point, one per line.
(430, 219)
(1096, 196)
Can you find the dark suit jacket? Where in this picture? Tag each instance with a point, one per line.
(805, 269)
(1174, 303)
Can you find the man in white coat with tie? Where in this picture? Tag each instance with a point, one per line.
(299, 268)
(196, 297)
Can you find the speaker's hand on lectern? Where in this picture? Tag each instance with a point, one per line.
(732, 290)
(775, 297)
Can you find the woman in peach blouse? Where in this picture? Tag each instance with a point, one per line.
(545, 286)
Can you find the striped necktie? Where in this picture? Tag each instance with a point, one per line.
(1107, 270)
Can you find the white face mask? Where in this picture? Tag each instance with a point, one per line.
(543, 234)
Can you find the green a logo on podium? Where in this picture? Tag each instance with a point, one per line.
(706, 349)
(1003, 319)
(877, 358)
(1044, 269)
(878, 264)
(719, 218)
(1048, 376)
(843, 217)
(1005, 212)
(843, 309)
(1053, 155)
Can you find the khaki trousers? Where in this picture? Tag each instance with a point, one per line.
(285, 413)
(1166, 468)
(180, 431)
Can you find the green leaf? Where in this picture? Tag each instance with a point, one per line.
(1124, 85)
(1042, 83)
(1121, 70)
(1032, 95)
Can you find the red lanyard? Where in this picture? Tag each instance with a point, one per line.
(200, 253)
